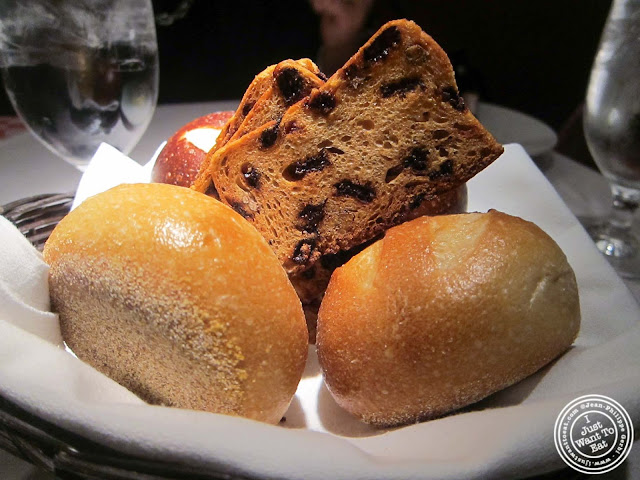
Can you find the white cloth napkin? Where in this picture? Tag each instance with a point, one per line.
(510, 434)
(108, 168)
(24, 287)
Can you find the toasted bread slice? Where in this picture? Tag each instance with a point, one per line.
(291, 83)
(385, 132)
(259, 86)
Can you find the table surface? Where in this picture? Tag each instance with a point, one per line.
(28, 168)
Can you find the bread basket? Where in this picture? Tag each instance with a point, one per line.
(48, 446)
(70, 454)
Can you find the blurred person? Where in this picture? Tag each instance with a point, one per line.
(343, 29)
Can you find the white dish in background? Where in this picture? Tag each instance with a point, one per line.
(511, 126)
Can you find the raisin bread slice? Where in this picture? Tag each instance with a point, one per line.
(291, 83)
(385, 132)
(260, 84)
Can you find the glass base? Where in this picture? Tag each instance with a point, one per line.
(619, 245)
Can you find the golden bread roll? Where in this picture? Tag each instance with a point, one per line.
(442, 312)
(178, 298)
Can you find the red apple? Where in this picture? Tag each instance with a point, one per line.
(180, 159)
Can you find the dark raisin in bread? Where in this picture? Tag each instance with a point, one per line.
(291, 83)
(260, 84)
(385, 132)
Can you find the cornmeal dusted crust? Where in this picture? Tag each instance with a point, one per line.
(176, 297)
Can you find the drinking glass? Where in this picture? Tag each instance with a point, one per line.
(612, 130)
(80, 72)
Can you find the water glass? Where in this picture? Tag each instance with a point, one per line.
(612, 130)
(80, 72)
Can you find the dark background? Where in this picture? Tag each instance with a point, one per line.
(531, 56)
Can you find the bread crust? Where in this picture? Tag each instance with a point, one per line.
(180, 160)
(291, 83)
(179, 299)
(442, 312)
(258, 86)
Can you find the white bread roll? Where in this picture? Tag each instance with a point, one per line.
(442, 312)
(178, 298)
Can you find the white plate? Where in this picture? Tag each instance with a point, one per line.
(509, 434)
(511, 126)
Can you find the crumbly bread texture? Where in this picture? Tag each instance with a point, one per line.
(260, 84)
(311, 284)
(384, 133)
(178, 298)
(291, 83)
(442, 312)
